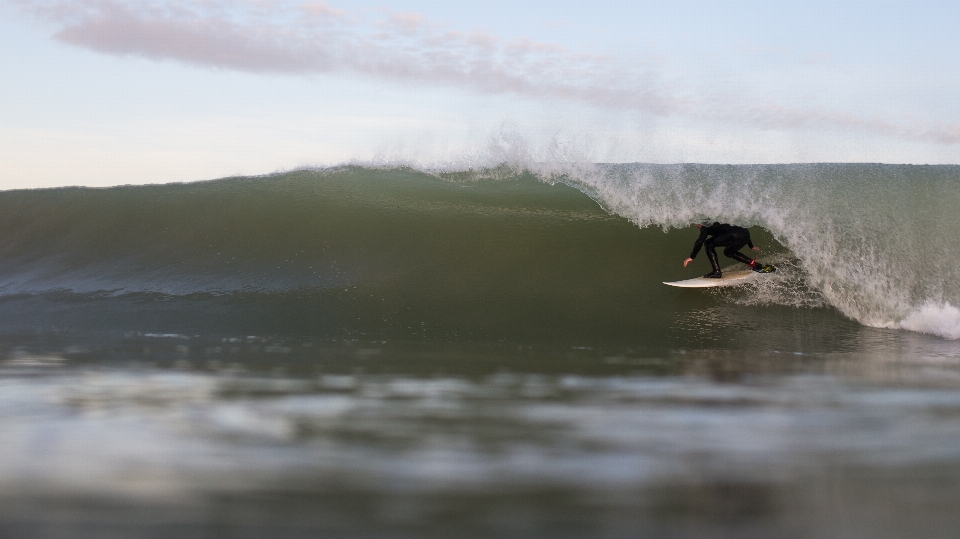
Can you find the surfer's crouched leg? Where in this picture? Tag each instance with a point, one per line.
(733, 252)
(712, 255)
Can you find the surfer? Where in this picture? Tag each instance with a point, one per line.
(733, 238)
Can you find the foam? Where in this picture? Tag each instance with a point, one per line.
(935, 319)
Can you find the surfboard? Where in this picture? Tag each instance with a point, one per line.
(730, 278)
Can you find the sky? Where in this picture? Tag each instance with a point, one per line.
(108, 92)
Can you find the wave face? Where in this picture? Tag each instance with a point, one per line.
(574, 253)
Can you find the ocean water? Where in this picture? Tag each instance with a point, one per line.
(386, 351)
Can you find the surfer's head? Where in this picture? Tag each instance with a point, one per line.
(701, 224)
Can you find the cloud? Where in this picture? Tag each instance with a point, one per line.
(278, 36)
(321, 9)
(403, 46)
(212, 43)
(408, 22)
(944, 134)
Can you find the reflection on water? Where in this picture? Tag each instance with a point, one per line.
(695, 444)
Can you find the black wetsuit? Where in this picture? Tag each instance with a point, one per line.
(732, 237)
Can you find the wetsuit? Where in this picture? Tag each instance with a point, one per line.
(732, 237)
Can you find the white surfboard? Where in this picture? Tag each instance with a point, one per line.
(730, 278)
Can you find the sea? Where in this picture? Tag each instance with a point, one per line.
(396, 351)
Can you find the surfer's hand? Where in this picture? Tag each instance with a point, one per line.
(755, 248)
(687, 261)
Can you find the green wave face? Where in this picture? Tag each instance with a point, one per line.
(566, 255)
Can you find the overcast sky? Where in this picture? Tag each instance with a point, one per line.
(103, 92)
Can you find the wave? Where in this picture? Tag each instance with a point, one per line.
(567, 245)
(874, 240)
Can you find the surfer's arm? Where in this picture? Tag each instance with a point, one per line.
(704, 232)
(750, 243)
